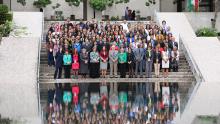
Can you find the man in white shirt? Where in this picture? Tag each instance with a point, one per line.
(125, 26)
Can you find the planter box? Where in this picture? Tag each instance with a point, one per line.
(72, 17)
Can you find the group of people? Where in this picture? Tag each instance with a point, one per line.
(95, 47)
(129, 14)
(113, 103)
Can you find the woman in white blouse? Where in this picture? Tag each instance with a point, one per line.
(165, 61)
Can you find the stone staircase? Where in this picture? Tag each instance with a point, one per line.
(184, 77)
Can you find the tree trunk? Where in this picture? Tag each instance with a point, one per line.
(216, 14)
(84, 10)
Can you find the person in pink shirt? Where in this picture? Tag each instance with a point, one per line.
(75, 64)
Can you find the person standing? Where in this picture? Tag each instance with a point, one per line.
(139, 55)
(165, 61)
(175, 59)
(113, 60)
(149, 61)
(131, 60)
(104, 61)
(94, 63)
(157, 61)
(133, 15)
(126, 13)
(84, 60)
(58, 64)
(75, 64)
(50, 54)
(122, 60)
(67, 61)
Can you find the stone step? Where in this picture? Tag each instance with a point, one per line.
(170, 73)
(122, 80)
(107, 76)
(51, 71)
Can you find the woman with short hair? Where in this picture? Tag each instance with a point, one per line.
(94, 63)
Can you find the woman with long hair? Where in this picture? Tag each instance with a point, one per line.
(75, 64)
(165, 61)
(103, 61)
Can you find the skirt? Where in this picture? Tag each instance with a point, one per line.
(103, 65)
(94, 70)
(165, 65)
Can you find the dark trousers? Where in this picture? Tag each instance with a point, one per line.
(50, 59)
(175, 69)
(59, 71)
(94, 70)
(67, 71)
(131, 69)
(122, 70)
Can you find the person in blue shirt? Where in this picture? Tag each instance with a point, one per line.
(67, 61)
(77, 46)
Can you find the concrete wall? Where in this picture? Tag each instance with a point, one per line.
(18, 74)
(18, 70)
(167, 6)
(202, 19)
(115, 10)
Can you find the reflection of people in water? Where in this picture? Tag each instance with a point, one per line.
(166, 98)
(166, 95)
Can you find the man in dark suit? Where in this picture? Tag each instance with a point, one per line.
(139, 56)
(172, 44)
(59, 64)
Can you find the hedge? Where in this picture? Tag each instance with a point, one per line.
(6, 17)
(206, 32)
(3, 9)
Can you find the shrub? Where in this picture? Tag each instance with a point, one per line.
(41, 3)
(5, 17)
(3, 9)
(206, 32)
(73, 2)
(6, 28)
(113, 18)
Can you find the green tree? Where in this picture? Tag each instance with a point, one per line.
(41, 3)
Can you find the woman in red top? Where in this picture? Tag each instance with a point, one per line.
(104, 61)
(75, 64)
